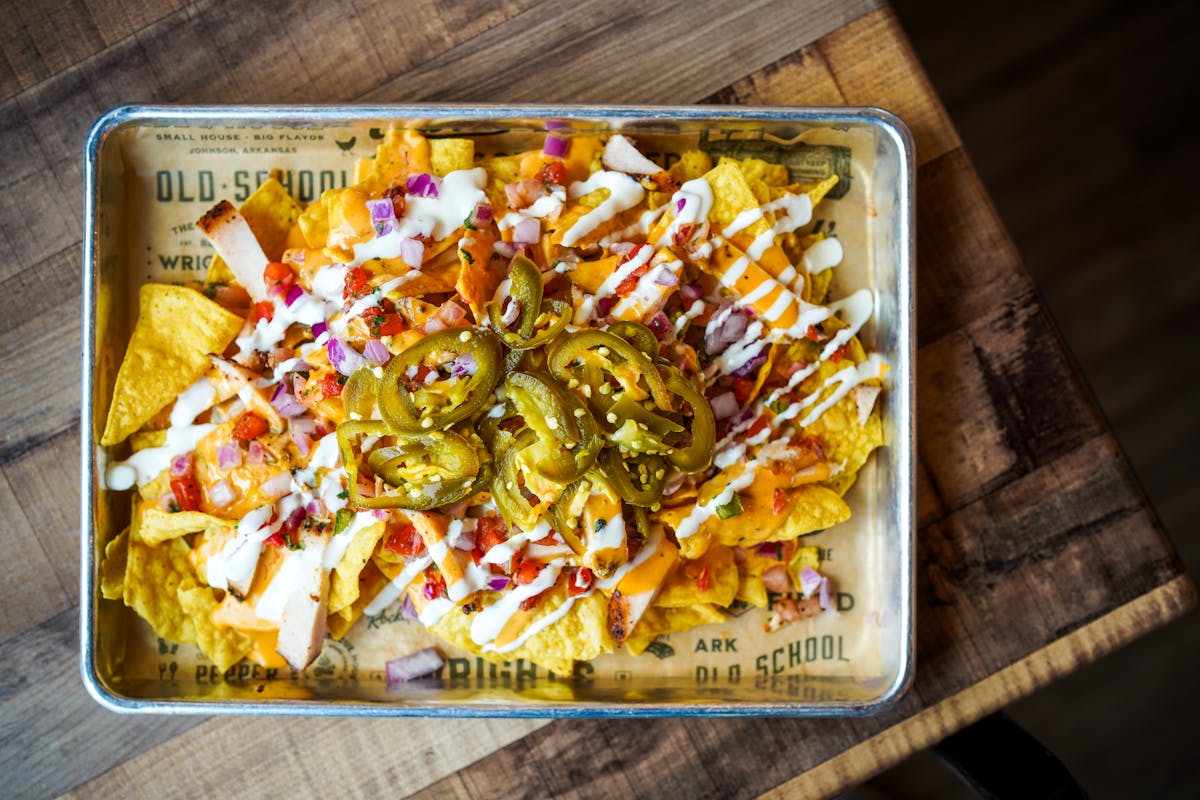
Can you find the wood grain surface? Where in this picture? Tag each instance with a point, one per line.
(1037, 550)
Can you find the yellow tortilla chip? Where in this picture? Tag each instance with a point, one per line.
(112, 568)
(159, 526)
(731, 194)
(580, 635)
(402, 153)
(343, 585)
(176, 329)
(448, 155)
(755, 169)
(225, 646)
(657, 621)
(682, 586)
(144, 439)
(808, 556)
(153, 577)
(370, 582)
(691, 165)
(846, 441)
(815, 508)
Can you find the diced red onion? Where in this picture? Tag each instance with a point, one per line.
(385, 227)
(255, 453)
(303, 443)
(306, 425)
(167, 500)
(464, 366)
(527, 231)
(181, 465)
(466, 541)
(766, 549)
(277, 486)
(481, 215)
(690, 292)
(605, 305)
(433, 325)
(556, 146)
(345, 359)
(294, 520)
(825, 595)
(622, 248)
(229, 456)
(316, 508)
(659, 325)
(724, 405)
(423, 185)
(287, 405)
(293, 294)
(729, 330)
(680, 204)
(381, 514)
(751, 365)
(412, 252)
(810, 581)
(375, 352)
(407, 611)
(319, 328)
(498, 583)
(665, 277)
(221, 494)
(412, 666)
(504, 249)
(381, 210)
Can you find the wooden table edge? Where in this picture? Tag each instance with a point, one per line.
(1018, 680)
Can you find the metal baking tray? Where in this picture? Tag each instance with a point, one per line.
(792, 671)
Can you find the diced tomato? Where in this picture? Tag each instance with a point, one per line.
(779, 501)
(489, 532)
(553, 172)
(758, 427)
(187, 493)
(405, 541)
(249, 426)
(548, 540)
(527, 571)
(435, 584)
(275, 539)
(704, 579)
(396, 195)
(382, 323)
(530, 602)
(423, 372)
(264, 310)
(812, 334)
(357, 283)
(331, 385)
(741, 389)
(579, 580)
(837, 355)
(631, 282)
(683, 236)
(279, 277)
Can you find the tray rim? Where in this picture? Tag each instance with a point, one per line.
(887, 123)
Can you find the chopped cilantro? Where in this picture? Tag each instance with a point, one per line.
(730, 509)
(470, 258)
(173, 507)
(779, 406)
(600, 523)
(343, 494)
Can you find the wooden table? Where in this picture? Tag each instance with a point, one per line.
(1037, 549)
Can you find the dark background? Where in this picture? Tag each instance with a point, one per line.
(1078, 116)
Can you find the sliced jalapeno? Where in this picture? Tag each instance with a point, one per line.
(525, 289)
(637, 335)
(507, 486)
(585, 356)
(568, 438)
(697, 454)
(360, 393)
(409, 405)
(425, 470)
(638, 481)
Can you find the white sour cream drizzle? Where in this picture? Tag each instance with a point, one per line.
(690, 524)
(341, 541)
(537, 626)
(623, 193)
(296, 569)
(823, 255)
(610, 537)
(235, 562)
(694, 310)
(649, 296)
(610, 284)
(697, 199)
(431, 217)
(845, 380)
(397, 585)
(490, 621)
(640, 227)
(182, 437)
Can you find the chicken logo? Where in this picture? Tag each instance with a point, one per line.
(347, 145)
